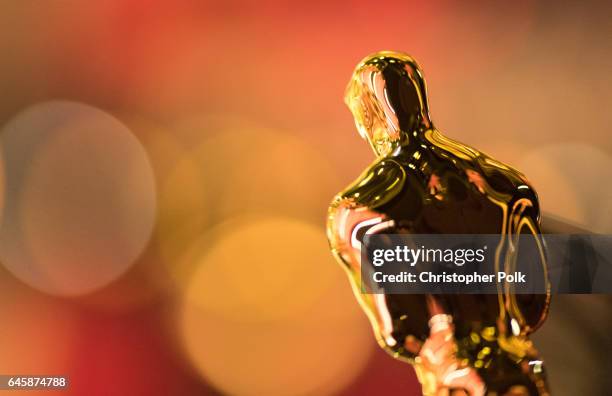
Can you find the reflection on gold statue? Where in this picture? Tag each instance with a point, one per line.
(425, 183)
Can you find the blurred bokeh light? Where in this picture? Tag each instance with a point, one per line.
(80, 198)
(165, 170)
(229, 168)
(262, 304)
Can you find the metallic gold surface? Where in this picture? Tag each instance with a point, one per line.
(425, 183)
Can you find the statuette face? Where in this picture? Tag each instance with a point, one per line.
(422, 182)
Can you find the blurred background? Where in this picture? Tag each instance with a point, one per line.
(167, 166)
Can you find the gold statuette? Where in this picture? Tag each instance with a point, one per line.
(422, 182)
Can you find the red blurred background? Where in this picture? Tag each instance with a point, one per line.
(168, 165)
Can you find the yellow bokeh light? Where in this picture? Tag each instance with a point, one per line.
(264, 313)
(266, 258)
(183, 208)
(230, 167)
